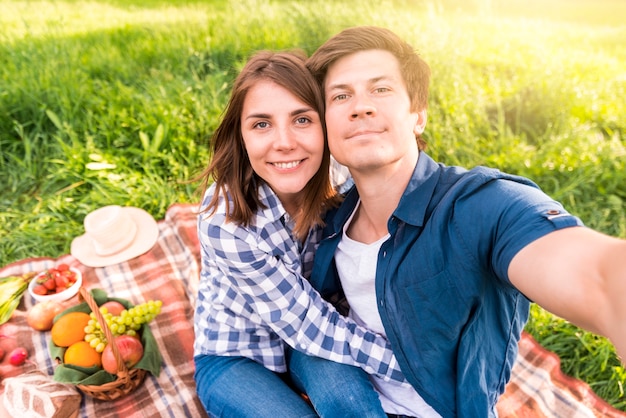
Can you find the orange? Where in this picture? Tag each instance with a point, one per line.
(83, 355)
(69, 329)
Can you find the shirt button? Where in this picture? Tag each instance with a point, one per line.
(553, 212)
(381, 303)
(303, 346)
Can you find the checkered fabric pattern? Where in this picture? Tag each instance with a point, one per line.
(170, 272)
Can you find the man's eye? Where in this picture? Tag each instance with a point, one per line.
(382, 90)
(340, 97)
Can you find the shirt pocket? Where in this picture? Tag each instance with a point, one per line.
(437, 308)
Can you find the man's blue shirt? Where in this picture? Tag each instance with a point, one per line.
(449, 310)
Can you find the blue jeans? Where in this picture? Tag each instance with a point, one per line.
(335, 389)
(239, 387)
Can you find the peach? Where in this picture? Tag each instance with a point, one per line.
(113, 307)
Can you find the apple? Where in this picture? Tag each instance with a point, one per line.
(40, 316)
(113, 307)
(131, 351)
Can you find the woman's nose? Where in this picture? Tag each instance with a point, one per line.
(284, 139)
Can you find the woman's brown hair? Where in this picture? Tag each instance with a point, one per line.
(230, 167)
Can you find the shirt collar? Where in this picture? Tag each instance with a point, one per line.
(273, 210)
(418, 193)
(414, 201)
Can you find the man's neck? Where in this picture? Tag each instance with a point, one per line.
(380, 192)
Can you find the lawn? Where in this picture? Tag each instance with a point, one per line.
(113, 102)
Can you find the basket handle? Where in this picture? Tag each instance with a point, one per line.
(122, 370)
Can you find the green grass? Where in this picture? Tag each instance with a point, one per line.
(113, 102)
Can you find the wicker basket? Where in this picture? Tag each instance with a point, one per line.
(127, 380)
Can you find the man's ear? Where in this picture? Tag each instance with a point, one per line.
(420, 125)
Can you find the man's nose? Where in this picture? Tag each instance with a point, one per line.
(362, 107)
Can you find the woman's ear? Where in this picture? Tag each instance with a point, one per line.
(420, 124)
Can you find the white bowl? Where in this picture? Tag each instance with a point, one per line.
(58, 297)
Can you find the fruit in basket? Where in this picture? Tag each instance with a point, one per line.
(129, 322)
(40, 317)
(69, 329)
(83, 355)
(113, 307)
(131, 351)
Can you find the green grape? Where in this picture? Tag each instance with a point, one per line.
(128, 322)
(94, 342)
(93, 332)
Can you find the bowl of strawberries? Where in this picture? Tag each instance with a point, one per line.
(57, 283)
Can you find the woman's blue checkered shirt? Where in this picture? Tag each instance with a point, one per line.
(253, 298)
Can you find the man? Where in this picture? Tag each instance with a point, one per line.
(450, 257)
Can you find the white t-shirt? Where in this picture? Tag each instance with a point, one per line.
(356, 264)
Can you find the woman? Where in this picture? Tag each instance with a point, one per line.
(258, 230)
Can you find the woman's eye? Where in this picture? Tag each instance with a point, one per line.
(302, 120)
(261, 125)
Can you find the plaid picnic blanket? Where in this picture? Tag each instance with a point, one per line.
(170, 272)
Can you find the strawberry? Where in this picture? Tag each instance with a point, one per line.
(62, 282)
(63, 267)
(49, 283)
(40, 290)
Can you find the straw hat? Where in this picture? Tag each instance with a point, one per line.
(114, 234)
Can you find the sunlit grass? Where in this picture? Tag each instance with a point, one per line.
(113, 102)
(49, 19)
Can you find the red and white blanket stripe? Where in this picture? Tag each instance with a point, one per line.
(170, 271)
